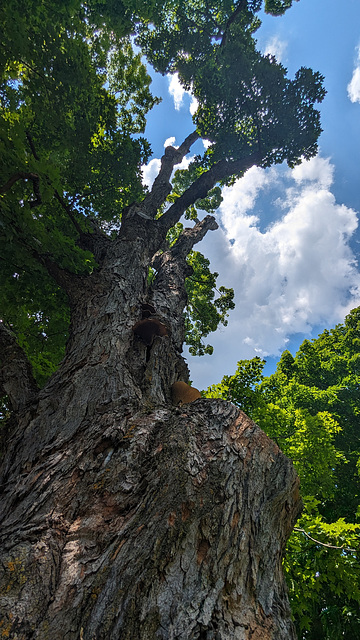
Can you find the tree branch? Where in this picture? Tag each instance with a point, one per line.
(16, 378)
(31, 144)
(191, 236)
(173, 269)
(182, 247)
(324, 544)
(241, 6)
(201, 187)
(69, 212)
(162, 187)
(95, 241)
(25, 175)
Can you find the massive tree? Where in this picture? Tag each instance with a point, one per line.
(122, 514)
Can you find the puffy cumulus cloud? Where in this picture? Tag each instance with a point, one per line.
(178, 92)
(297, 274)
(169, 141)
(275, 47)
(318, 170)
(353, 87)
(150, 171)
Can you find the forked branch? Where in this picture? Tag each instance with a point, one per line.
(172, 267)
(206, 181)
(192, 236)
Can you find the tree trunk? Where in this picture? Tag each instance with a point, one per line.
(123, 516)
(168, 523)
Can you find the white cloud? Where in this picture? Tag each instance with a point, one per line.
(169, 142)
(206, 143)
(150, 171)
(193, 105)
(318, 169)
(353, 87)
(178, 92)
(296, 274)
(276, 48)
(184, 163)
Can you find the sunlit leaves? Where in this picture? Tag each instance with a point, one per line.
(207, 307)
(241, 388)
(73, 94)
(311, 408)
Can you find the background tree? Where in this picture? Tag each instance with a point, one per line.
(122, 515)
(311, 407)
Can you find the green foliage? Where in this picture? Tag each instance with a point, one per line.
(74, 96)
(204, 312)
(246, 103)
(241, 388)
(310, 406)
(183, 179)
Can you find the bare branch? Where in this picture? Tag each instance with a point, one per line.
(192, 236)
(16, 378)
(162, 187)
(324, 544)
(201, 187)
(25, 175)
(173, 269)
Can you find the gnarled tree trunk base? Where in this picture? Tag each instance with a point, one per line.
(168, 524)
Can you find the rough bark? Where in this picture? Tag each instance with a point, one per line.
(16, 379)
(121, 515)
(166, 524)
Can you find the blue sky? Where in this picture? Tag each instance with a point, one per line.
(288, 241)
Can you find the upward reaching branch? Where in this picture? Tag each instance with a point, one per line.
(201, 187)
(172, 270)
(241, 7)
(189, 237)
(162, 187)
